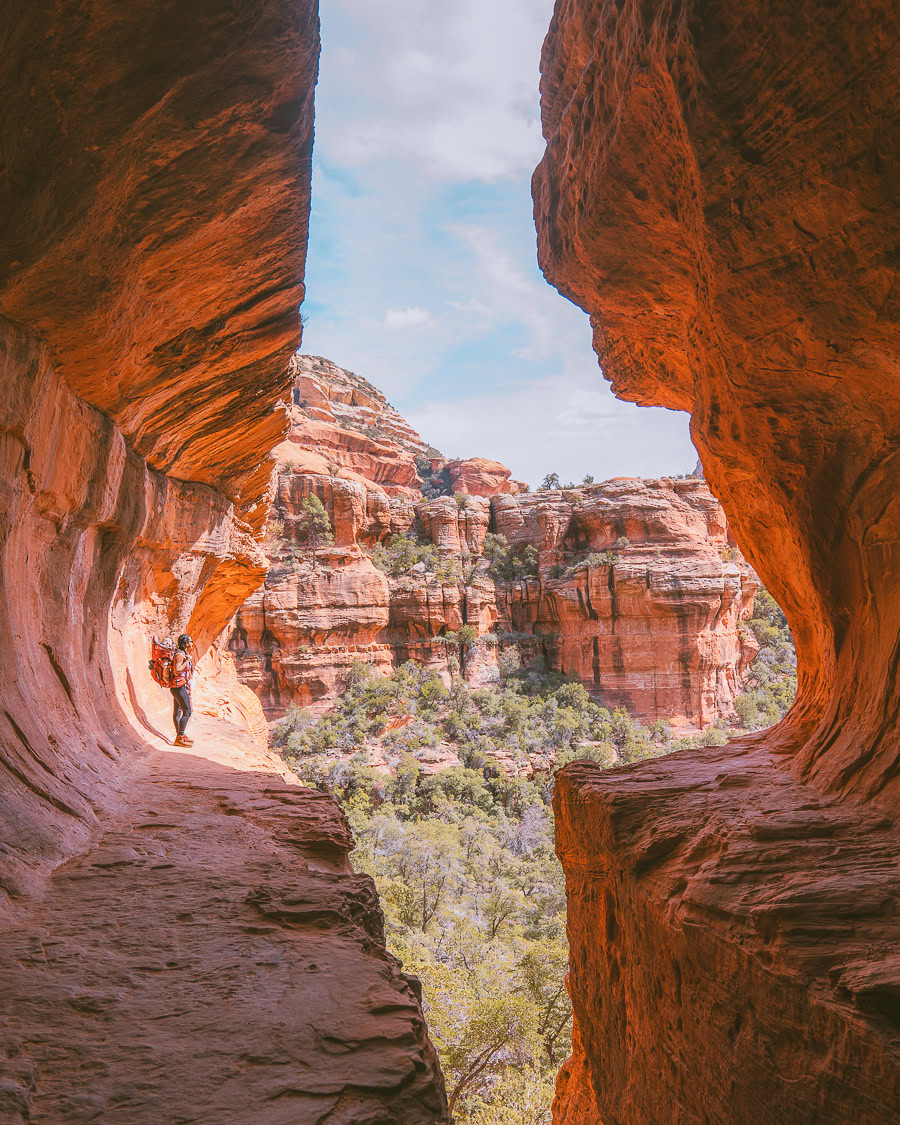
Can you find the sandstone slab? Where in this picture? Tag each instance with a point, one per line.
(240, 977)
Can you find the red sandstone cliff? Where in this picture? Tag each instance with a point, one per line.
(652, 625)
(154, 196)
(718, 193)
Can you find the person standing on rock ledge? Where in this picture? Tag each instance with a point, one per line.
(181, 689)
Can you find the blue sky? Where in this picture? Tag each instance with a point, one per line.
(422, 272)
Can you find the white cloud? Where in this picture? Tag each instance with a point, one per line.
(396, 319)
(475, 307)
(585, 409)
(563, 425)
(448, 88)
(426, 136)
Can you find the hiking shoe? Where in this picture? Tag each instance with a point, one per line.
(185, 741)
(180, 740)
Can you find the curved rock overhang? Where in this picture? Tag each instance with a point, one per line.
(200, 906)
(719, 193)
(154, 200)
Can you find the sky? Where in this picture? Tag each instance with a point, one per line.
(422, 273)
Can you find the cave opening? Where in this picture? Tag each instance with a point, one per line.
(731, 905)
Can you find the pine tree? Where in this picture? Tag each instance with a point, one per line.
(315, 525)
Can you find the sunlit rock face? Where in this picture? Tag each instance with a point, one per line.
(480, 477)
(639, 590)
(295, 640)
(152, 244)
(717, 193)
(647, 609)
(154, 197)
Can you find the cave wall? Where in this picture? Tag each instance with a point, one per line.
(719, 193)
(751, 156)
(154, 199)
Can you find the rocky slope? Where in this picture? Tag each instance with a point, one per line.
(153, 209)
(635, 586)
(214, 932)
(717, 192)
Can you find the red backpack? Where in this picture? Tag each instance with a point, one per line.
(162, 662)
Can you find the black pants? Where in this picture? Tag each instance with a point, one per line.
(182, 699)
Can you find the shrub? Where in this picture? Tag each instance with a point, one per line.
(448, 571)
(402, 552)
(314, 525)
(274, 532)
(771, 683)
(509, 662)
(509, 564)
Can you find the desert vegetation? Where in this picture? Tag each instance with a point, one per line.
(404, 555)
(771, 684)
(462, 852)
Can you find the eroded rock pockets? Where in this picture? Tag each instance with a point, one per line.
(633, 586)
(696, 198)
(718, 192)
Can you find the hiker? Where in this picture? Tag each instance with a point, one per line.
(181, 689)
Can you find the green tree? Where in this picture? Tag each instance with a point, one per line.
(550, 481)
(542, 971)
(464, 637)
(402, 552)
(314, 525)
(422, 870)
(771, 683)
(508, 564)
(497, 1032)
(520, 1096)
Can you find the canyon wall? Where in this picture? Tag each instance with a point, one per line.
(154, 199)
(718, 192)
(634, 587)
(143, 349)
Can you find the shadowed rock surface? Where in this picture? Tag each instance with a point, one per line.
(718, 192)
(212, 958)
(161, 913)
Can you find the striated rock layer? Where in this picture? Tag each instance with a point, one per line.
(151, 262)
(153, 211)
(718, 193)
(638, 589)
(653, 626)
(215, 933)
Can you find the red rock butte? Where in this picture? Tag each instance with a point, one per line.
(718, 192)
(653, 626)
(174, 923)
